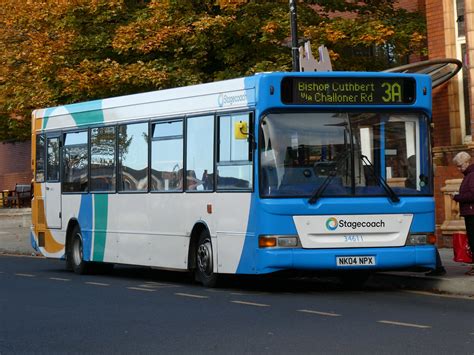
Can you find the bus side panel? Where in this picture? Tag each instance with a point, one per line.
(145, 229)
(49, 242)
(115, 227)
(232, 212)
(154, 229)
(78, 207)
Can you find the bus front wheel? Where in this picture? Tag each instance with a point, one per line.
(205, 261)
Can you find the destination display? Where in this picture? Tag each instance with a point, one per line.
(347, 91)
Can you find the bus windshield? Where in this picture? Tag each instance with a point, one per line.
(349, 154)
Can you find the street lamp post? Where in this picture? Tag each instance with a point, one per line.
(294, 37)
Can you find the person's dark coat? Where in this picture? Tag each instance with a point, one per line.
(466, 193)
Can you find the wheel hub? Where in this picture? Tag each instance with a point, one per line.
(204, 260)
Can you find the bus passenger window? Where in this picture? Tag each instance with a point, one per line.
(200, 154)
(39, 176)
(52, 160)
(76, 162)
(103, 159)
(235, 156)
(167, 156)
(133, 157)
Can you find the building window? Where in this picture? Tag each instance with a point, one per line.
(464, 103)
(465, 85)
(460, 18)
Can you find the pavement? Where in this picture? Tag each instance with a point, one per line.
(453, 282)
(15, 239)
(15, 231)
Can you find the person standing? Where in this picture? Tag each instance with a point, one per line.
(465, 197)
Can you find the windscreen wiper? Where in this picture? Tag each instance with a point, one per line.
(391, 194)
(332, 173)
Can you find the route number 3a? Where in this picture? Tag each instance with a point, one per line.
(393, 92)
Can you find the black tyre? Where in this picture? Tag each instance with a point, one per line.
(205, 261)
(69, 257)
(76, 253)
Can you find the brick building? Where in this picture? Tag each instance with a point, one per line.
(15, 167)
(451, 35)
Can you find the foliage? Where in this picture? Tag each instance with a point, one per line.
(379, 37)
(58, 52)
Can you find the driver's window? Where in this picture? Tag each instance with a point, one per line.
(234, 163)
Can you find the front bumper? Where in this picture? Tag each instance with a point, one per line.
(394, 258)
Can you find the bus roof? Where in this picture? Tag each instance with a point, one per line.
(217, 96)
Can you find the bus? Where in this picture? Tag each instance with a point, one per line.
(319, 172)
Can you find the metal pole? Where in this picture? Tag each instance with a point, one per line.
(294, 36)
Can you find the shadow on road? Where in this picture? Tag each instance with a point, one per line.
(272, 283)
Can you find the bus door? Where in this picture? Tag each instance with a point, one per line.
(53, 183)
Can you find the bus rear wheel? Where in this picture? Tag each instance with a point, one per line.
(205, 261)
(77, 263)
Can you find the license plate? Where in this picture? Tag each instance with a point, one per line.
(355, 260)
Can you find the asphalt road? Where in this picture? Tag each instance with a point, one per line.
(45, 309)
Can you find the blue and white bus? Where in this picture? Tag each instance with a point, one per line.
(272, 172)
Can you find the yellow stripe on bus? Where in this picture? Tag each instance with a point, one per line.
(50, 244)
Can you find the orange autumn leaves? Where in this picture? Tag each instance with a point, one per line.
(56, 52)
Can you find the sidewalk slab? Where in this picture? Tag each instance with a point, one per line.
(15, 231)
(454, 282)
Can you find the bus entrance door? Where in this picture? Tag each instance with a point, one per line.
(52, 196)
(53, 204)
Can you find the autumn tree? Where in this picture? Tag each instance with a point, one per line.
(33, 45)
(62, 51)
(373, 35)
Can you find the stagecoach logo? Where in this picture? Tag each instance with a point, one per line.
(331, 224)
(224, 99)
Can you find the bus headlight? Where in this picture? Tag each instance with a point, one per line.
(421, 239)
(279, 241)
